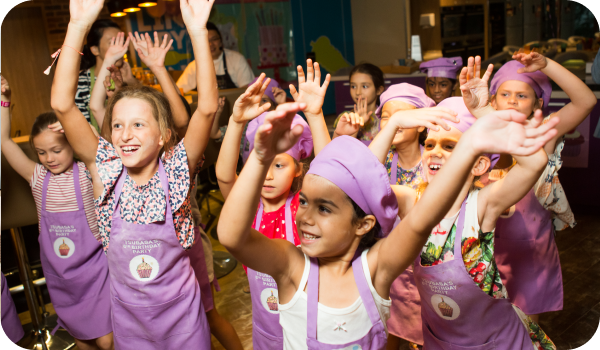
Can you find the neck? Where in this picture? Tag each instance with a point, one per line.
(341, 262)
(217, 55)
(272, 204)
(372, 107)
(143, 174)
(409, 154)
(461, 197)
(99, 62)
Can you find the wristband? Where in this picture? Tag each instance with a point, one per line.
(5, 104)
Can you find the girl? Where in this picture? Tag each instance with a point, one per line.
(143, 202)
(366, 85)
(97, 43)
(71, 254)
(345, 197)
(441, 77)
(527, 255)
(278, 205)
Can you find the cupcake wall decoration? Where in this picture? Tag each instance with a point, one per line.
(144, 269)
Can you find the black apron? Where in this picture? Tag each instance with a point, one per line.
(224, 81)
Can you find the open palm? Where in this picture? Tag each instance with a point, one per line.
(310, 90)
(475, 90)
(195, 13)
(85, 12)
(116, 49)
(247, 106)
(152, 54)
(276, 135)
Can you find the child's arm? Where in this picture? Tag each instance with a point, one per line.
(275, 257)
(15, 156)
(195, 15)
(116, 50)
(215, 131)
(582, 98)
(409, 119)
(64, 86)
(499, 132)
(246, 108)
(153, 55)
(311, 92)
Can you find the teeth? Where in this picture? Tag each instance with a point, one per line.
(130, 149)
(309, 236)
(435, 166)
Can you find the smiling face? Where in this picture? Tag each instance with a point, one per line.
(361, 85)
(325, 219)
(439, 89)
(54, 151)
(215, 44)
(135, 132)
(280, 177)
(403, 135)
(517, 95)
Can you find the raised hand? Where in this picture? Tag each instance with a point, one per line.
(310, 90)
(533, 61)
(510, 132)
(431, 118)
(85, 12)
(116, 49)
(247, 106)
(153, 55)
(276, 134)
(113, 82)
(195, 13)
(475, 90)
(349, 124)
(4, 87)
(360, 108)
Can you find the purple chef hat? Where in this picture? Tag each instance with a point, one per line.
(302, 149)
(442, 67)
(269, 91)
(537, 80)
(351, 166)
(466, 119)
(404, 92)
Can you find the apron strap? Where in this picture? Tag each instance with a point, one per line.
(164, 182)
(364, 290)
(118, 188)
(312, 303)
(459, 229)
(259, 216)
(289, 223)
(77, 186)
(394, 172)
(45, 189)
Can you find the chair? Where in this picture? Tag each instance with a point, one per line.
(571, 55)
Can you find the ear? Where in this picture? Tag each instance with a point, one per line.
(365, 225)
(420, 129)
(299, 169)
(380, 90)
(540, 103)
(95, 50)
(481, 166)
(493, 101)
(161, 142)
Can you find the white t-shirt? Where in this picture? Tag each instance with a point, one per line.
(237, 67)
(354, 318)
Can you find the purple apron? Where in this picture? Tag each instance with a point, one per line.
(75, 268)
(527, 257)
(10, 320)
(376, 339)
(458, 315)
(266, 330)
(196, 254)
(156, 300)
(405, 313)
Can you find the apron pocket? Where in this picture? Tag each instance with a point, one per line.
(432, 342)
(263, 340)
(74, 290)
(152, 322)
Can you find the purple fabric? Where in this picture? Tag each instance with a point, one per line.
(351, 166)
(404, 92)
(538, 81)
(466, 119)
(442, 67)
(302, 149)
(269, 92)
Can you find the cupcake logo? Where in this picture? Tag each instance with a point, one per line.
(270, 300)
(64, 247)
(144, 268)
(445, 307)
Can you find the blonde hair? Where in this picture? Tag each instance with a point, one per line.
(159, 104)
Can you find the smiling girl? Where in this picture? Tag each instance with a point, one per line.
(70, 250)
(142, 200)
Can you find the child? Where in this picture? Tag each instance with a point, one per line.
(71, 254)
(143, 202)
(530, 271)
(441, 77)
(345, 197)
(278, 205)
(366, 85)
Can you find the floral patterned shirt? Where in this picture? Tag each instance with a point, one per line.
(145, 204)
(411, 177)
(368, 131)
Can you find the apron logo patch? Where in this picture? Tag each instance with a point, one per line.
(445, 307)
(270, 300)
(144, 268)
(64, 247)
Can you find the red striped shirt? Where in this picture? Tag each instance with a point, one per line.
(61, 195)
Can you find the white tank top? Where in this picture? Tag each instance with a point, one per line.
(334, 326)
